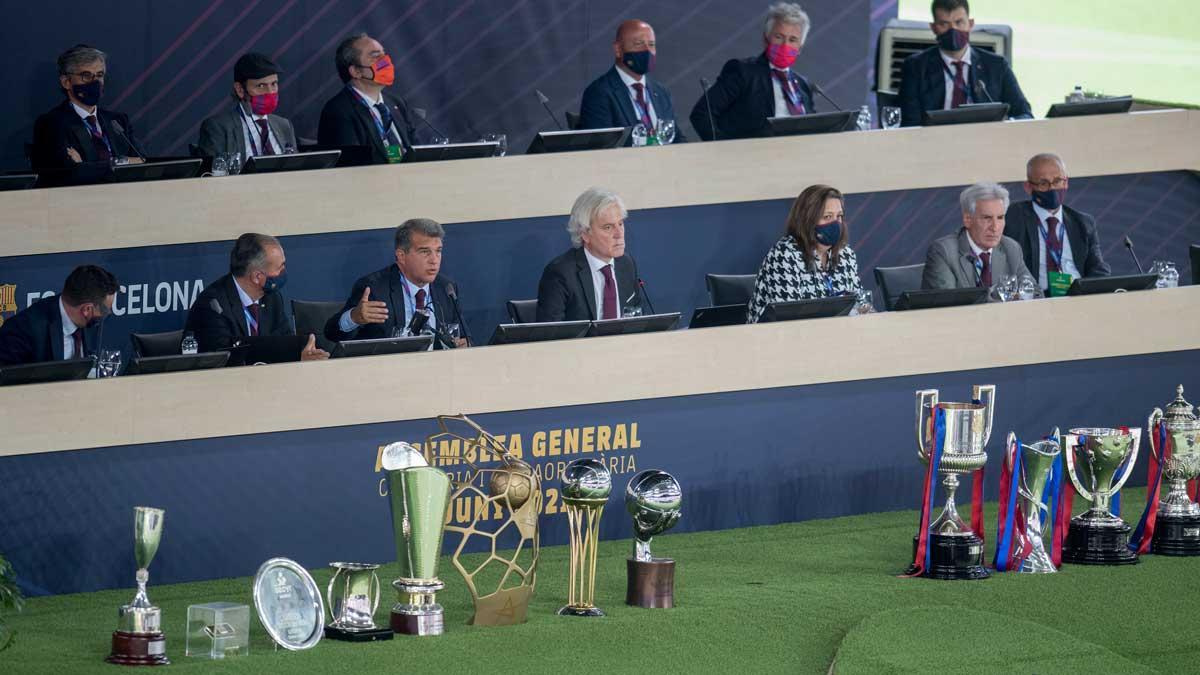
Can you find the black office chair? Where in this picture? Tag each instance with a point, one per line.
(311, 315)
(523, 311)
(157, 344)
(573, 120)
(1194, 252)
(892, 281)
(730, 289)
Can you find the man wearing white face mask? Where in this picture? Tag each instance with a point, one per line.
(250, 126)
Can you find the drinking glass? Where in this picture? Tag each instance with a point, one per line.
(628, 312)
(1027, 288)
(453, 331)
(666, 132)
(864, 305)
(890, 117)
(234, 161)
(639, 135)
(1168, 276)
(502, 139)
(220, 167)
(1005, 289)
(108, 362)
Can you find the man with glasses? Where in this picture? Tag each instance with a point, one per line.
(361, 114)
(1059, 243)
(78, 130)
(61, 327)
(250, 126)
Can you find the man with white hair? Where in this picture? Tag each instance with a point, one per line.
(979, 255)
(1060, 244)
(594, 279)
(748, 91)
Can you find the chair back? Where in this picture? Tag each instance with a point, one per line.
(522, 311)
(730, 289)
(892, 281)
(157, 344)
(311, 316)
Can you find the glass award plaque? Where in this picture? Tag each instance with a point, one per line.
(218, 630)
(289, 604)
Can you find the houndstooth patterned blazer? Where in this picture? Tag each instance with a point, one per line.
(783, 277)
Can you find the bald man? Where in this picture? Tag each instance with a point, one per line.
(626, 96)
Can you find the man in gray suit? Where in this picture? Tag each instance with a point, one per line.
(979, 254)
(249, 126)
(1047, 226)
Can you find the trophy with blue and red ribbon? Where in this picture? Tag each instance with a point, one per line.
(1099, 461)
(950, 441)
(1171, 526)
(1029, 484)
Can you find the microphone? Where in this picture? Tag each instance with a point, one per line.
(117, 128)
(546, 104)
(418, 322)
(1129, 245)
(981, 90)
(452, 293)
(712, 125)
(420, 113)
(642, 286)
(817, 88)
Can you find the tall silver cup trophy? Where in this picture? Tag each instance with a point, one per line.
(1099, 461)
(1037, 462)
(138, 640)
(1177, 531)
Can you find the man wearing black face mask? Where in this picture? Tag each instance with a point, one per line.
(625, 96)
(78, 130)
(61, 327)
(953, 73)
(250, 125)
(1059, 243)
(247, 302)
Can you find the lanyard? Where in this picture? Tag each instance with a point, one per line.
(1057, 255)
(785, 83)
(642, 113)
(966, 79)
(257, 142)
(376, 117)
(100, 129)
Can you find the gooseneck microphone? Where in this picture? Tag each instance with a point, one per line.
(137, 151)
(418, 322)
(1129, 245)
(642, 286)
(712, 125)
(817, 88)
(422, 115)
(452, 293)
(545, 100)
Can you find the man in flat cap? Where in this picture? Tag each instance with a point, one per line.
(250, 125)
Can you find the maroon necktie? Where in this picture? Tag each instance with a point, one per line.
(1053, 246)
(78, 337)
(420, 301)
(93, 126)
(610, 293)
(253, 309)
(960, 86)
(264, 133)
(794, 105)
(643, 109)
(985, 275)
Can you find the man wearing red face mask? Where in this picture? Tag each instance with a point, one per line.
(361, 114)
(748, 91)
(250, 125)
(953, 73)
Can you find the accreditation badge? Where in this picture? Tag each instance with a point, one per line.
(394, 154)
(1059, 283)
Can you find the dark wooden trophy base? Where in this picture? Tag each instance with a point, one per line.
(335, 633)
(1089, 544)
(132, 649)
(650, 584)
(954, 557)
(417, 624)
(1177, 535)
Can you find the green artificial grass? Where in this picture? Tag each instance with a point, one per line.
(796, 598)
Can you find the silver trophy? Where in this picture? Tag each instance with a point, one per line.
(1037, 462)
(653, 499)
(138, 639)
(1094, 458)
(1177, 531)
(352, 597)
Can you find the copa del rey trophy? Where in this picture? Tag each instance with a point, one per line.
(138, 640)
(1171, 526)
(950, 441)
(1099, 461)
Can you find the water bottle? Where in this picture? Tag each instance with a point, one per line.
(189, 344)
(1077, 95)
(864, 118)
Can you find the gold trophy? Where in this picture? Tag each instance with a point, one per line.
(586, 484)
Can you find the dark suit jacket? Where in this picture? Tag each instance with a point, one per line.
(345, 120)
(607, 103)
(218, 320)
(35, 335)
(61, 128)
(566, 291)
(387, 286)
(923, 84)
(950, 264)
(742, 99)
(225, 132)
(1022, 225)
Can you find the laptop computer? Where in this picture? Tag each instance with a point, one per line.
(377, 346)
(513, 333)
(816, 123)
(175, 363)
(296, 161)
(931, 298)
(46, 371)
(718, 315)
(585, 139)
(816, 308)
(1116, 284)
(966, 114)
(648, 323)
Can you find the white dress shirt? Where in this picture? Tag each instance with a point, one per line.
(68, 329)
(645, 81)
(347, 324)
(1068, 261)
(252, 135)
(598, 282)
(948, 76)
(781, 108)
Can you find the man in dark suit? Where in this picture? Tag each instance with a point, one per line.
(954, 73)
(748, 91)
(594, 279)
(247, 302)
(78, 130)
(1047, 227)
(625, 96)
(61, 327)
(383, 303)
(250, 125)
(978, 255)
(361, 114)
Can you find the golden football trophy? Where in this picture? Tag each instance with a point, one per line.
(586, 484)
(510, 494)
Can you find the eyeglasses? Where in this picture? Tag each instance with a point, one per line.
(1043, 185)
(88, 76)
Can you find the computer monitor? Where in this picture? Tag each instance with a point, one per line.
(816, 123)
(1194, 252)
(966, 114)
(1117, 284)
(18, 181)
(513, 333)
(940, 297)
(174, 363)
(816, 308)
(718, 315)
(377, 346)
(297, 161)
(1103, 106)
(438, 153)
(262, 349)
(568, 141)
(169, 169)
(648, 323)
(46, 371)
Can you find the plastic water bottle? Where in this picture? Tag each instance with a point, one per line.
(189, 344)
(1077, 95)
(864, 118)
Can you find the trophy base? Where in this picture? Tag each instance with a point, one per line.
(133, 649)
(570, 610)
(1089, 544)
(650, 583)
(1177, 535)
(954, 557)
(359, 635)
(420, 625)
